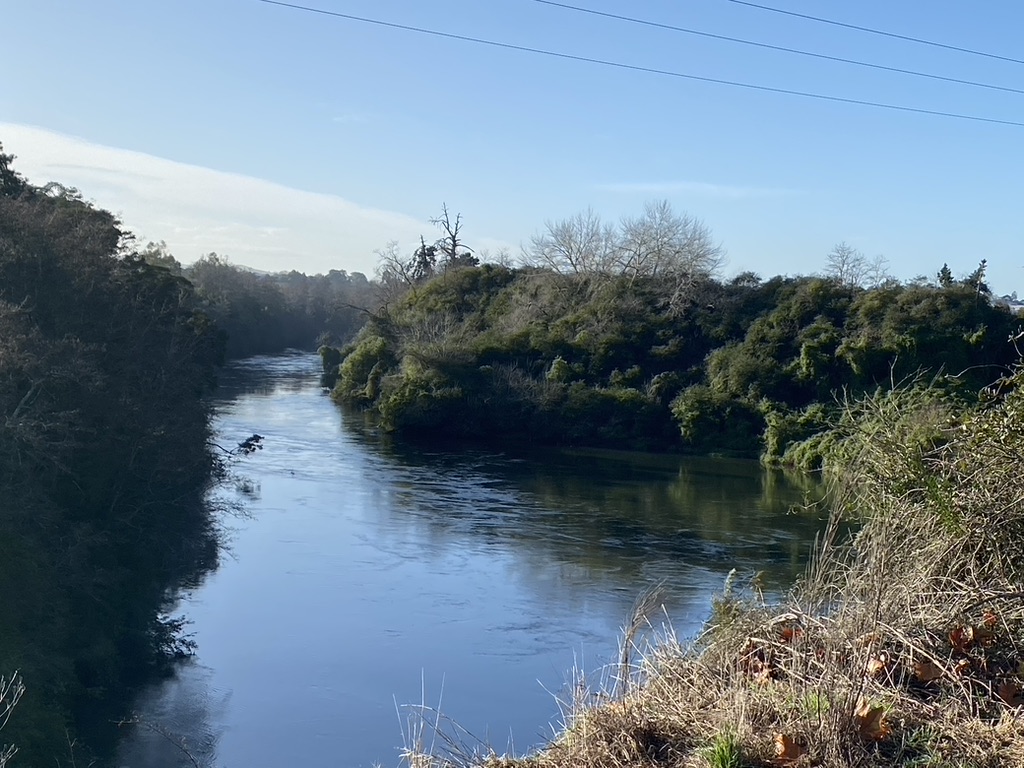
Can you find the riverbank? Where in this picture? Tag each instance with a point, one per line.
(105, 460)
(748, 367)
(470, 571)
(900, 647)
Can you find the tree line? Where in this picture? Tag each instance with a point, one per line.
(106, 362)
(625, 336)
(262, 313)
(109, 351)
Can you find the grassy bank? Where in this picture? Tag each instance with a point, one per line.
(901, 647)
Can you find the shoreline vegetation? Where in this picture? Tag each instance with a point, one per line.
(109, 352)
(678, 362)
(902, 646)
(105, 458)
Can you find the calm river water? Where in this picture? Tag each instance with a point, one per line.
(370, 576)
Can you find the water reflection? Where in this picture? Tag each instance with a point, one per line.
(371, 567)
(179, 722)
(618, 518)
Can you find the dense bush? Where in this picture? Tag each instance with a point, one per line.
(105, 363)
(745, 367)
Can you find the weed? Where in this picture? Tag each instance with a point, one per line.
(725, 751)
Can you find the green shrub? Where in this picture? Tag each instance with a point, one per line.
(422, 402)
(330, 358)
(785, 428)
(559, 372)
(359, 372)
(711, 421)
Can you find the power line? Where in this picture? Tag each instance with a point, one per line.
(781, 48)
(638, 68)
(835, 23)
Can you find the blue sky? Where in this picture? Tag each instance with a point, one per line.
(287, 139)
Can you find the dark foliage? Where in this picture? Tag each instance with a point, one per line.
(105, 361)
(266, 313)
(746, 367)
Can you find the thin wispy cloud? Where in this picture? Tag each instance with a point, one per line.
(196, 210)
(697, 188)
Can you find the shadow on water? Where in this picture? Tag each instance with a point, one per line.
(372, 567)
(624, 518)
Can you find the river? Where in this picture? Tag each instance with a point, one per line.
(368, 577)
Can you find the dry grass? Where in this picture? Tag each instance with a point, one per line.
(903, 646)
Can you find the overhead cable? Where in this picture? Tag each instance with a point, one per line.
(784, 49)
(881, 32)
(639, 68)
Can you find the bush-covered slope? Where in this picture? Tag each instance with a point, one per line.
(746, 367)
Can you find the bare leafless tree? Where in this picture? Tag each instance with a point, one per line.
(395, 273)
(391, 266)
(658, 243)
(11, 690)
(876, 271)
(454, 252)
(845, 264)
(663, 242)
(502, 257)
(849, 266)
(579, 245)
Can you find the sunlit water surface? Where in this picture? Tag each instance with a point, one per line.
(371, 575)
